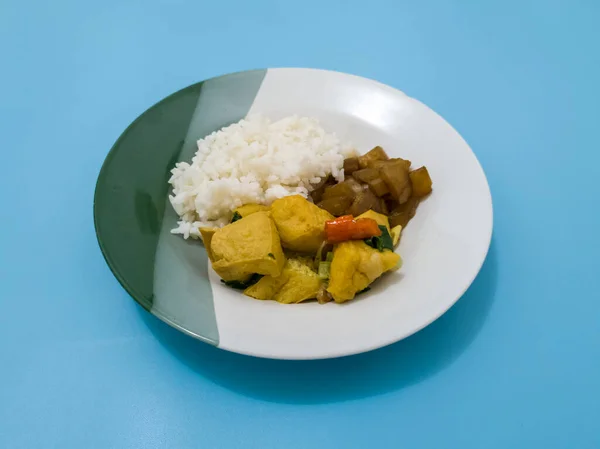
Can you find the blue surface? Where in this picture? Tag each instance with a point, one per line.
(515, 364)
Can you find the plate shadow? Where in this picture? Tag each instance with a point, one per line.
(334, 380)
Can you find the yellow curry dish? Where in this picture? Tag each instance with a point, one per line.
(330, 246)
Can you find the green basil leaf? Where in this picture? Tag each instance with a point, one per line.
(383, 242)
(236, 217)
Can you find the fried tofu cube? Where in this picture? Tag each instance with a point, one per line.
(300, 223)
(250, 245)
(249, 209)
(379, 218)
(355, 266)
(297, 283)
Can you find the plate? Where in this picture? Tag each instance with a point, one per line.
(443, 247)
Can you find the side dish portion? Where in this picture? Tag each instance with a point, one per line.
(295, 250)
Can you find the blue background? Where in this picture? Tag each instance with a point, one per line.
(515, 364)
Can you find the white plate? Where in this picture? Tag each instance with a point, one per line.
(443, 247)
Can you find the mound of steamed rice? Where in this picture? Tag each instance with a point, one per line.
(252, 161)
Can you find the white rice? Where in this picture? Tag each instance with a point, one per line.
(252, 161)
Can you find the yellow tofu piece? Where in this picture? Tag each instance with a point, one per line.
(300, 223)
(396, 232)
(296, 283)
(207, 235)
(267, 286)
(381, 219)
(355, 266)
(250, 245)
(249, 209)
(303, 283)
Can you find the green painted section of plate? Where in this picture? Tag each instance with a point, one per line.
(181, 269)
(164, 273)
